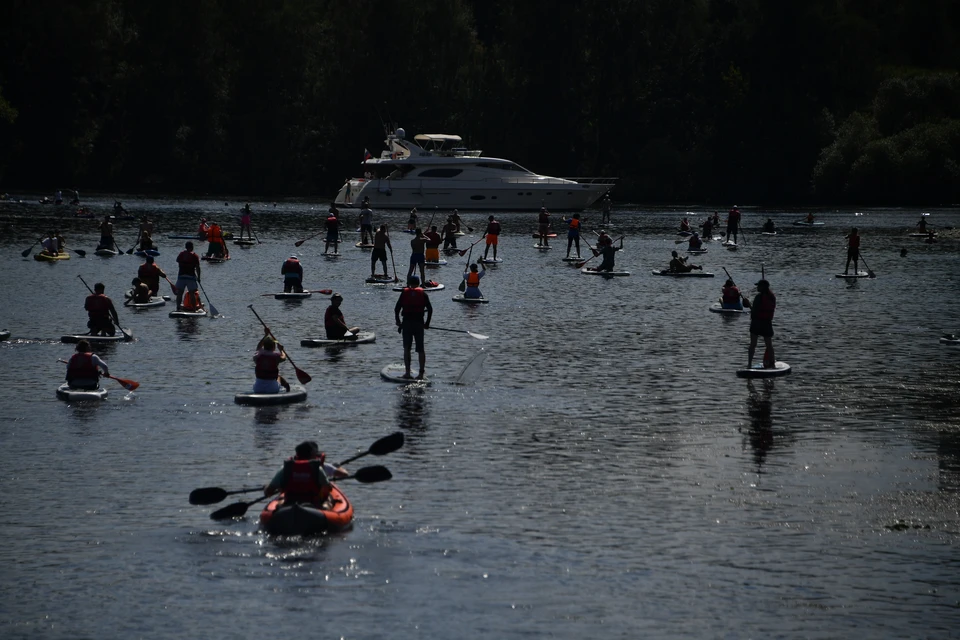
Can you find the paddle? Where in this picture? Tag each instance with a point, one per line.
(135, 242)
(26, 252)
(213, 310)
(366, 475)
(300, 242)
(255, 235)
(463, 281)
(395, 278)
(173, 287)
(302, 376)
(325, 292)
(463, 252)
(213, 495)
(746, 302)
(869, 270)
(478, 336)
(80, 252)
(742, 234)
(126, 336)
(129, 385)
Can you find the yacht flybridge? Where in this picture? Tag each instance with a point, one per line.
(435, 170)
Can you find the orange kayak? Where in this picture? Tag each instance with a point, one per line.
(304, 519)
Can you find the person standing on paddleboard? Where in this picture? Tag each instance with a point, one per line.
(707, 227)
(245, 221)
(84, 367)
(306, 476)
(100, 310)
(106, 234)
(381, 241)
(414, 303)
(418, 255)
(292, 272)
(334, 323)
(449, 234)
(332, 226)
(493, 237)
(433, 244)
(733, 223)
(543, 226)
(150, 274)
(188, 273)
(573, 232)
(605, 206)
(761, 324)
(853, 251)
(266, 362)
(366, 223)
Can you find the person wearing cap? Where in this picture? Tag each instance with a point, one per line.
(381, 242)
(266, 362)
(679, 265)
(733, 223)
(245, 220)
(292, 272)
(414, 303)
(731, 297)
(853, 251)
(543, 226)
(334, 323)
(573, 232)
(761, 323)
(306, 476)
(150, 274)
(84, 367)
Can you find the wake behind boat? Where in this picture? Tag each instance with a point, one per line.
(434, 170)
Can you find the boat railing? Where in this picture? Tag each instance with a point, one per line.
(594, 180)
(553, 180)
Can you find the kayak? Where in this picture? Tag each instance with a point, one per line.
(65, 392)
(718, 308)
(394, 373)
(199, 313)
(264, 399)
(546, 235)
(682, 274)
(292, 295)
(461, 298)
(303, 519)
(851, 276)
(490, 260)
(148, 252)
(436, 286)
(804, 223)
(43, 256)
(435, 263)
(364, 337)
(364, 245)
(946, 339)
(245, 243)
(74, 339)
(154, 302)
(384, 280)
(589, 271)
(757, 371)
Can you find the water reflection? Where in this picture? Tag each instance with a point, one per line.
(413, 410)
(188, 329)
(760, 431)
(948, 461)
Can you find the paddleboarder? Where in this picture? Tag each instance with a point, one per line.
(188, 273)
(493, 237)
(414, 303)
(266, 363)
(853, 251)
(334, 323)
(217, 247)
(366, 223)
(140, 294)
(292, 272)
(245, 220)
(733, 223)
(608, 251)
(684, 225)
(202, 229)
(605, 206)
(455, 216)
(100, 311)
(761, 324)
(573, 232)
(769, 226)
(417, 255)
(332, 226)
(412, 220)
(106, 234)
(472, 280)
(707, 227)
(449, 235)
(150, 274)
(52, 244)
(305, 477)
(381, 241)
(679, 265)
(922, 225)
(543, 226)
(694, 243)
(433, 241)
(731, 297)
(85, 367)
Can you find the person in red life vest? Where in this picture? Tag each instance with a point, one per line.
(334, 323)
(543, 226)
(245, 219)
(853, 251)
(266, 363)
(150, 274)
(684, 225)
(202, 229)
(100, 311)
(733, 223)
(292, 272)
(218, 246)
(84, 367)
(332, 226)
(472, 280)
(761, 323)
(188, 274)
(694, 243)
(305, 477)
(573, 232)
(493, 237)
(732, 298)
(433, 244)
(414, 303)
(140, 294)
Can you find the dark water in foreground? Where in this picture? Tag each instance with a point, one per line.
(606, 476)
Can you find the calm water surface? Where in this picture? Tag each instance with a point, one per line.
(606, 475)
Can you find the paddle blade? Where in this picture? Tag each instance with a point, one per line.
(129, 385)
(298, 243)
(207, 495)
(213, 310)
(80, 252)
(471, 371)
(234, 510)
(368, 475)
(26, 252)
(478, 336)
(387, 444)
(302, 375)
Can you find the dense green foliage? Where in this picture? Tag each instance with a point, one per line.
(703, 100)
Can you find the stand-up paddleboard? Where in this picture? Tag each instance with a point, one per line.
(730, 244)
(449, 251)
(245, 242)
(435, 263)
(105, 253)
(394, 373)
(461, 298)
(185, 236)
(804, 223)
(490, 260)
(154, 302)
(853, 276)
(948, 338)
(4, 335)
(922, 235)
(64, 392)
(292, 295)
(49, 257)
(684, 233)
(577, 259)
(119, 337)
(542, 247)
(387, 280)
(364, 245)
(718, 308)
(682, 274)
(696, 252)
(757, 371)
(546, 235)
(265, 399)
(199, 313)
(336, 254)
(148, 252)
(768, 233)
(459, 233)
(436, 286)
(364, 337)
(215, 259)
(590, 271)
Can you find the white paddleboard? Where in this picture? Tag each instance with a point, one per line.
(387, 280)
(568, 259)
(950, 339)
(394, 373)
(490, 260)
(852, 276)
(361, 245)
(331, 255)
(461, 298)
(757, 371)
(542, 247)
(696, 251)
(718, 308)
(588, 271)
(364, 337)
(768, 233)
(64, 392)
(265, 399)
(292, 295)
(4, 335)
(682, 274)
(116, 338)
(105, 253)
(154, 302)
(425, 288)
(199, 313)
(435, 263)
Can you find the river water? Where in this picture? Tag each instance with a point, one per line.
(605, 475)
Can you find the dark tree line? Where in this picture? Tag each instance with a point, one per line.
(706, 100)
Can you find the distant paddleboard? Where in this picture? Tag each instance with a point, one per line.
(950, 339)
(379, 280)
(853, 276)
(364, 337)
(804, 223)
(757, 371)
(718, 308)
(292, 295)
(199, 313)
(462, 298)
(546, 235)
(490, 260)
(589, 271)
(542, 247)
(74, 339)
(682, 274)
(364, 245)
(266, 399)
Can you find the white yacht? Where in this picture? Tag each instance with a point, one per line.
(435, 170)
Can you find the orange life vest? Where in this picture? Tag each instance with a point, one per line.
(473, 279)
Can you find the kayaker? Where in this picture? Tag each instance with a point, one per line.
(106, 234)
(853, 251)
(266, 362)
(493, 236)
(417, 255)
(52, 244)
(150, 274)
(334, 323)
(433, 241)
(188, 273)
(769, 226)
(366, 223)
(716, 218)
(217, 247)
(732, 298)
(810, 218)
(306, 476)
(694, 243)
(449, 234)
(472, 280)
(140, 293)
(84, 367)
(245, 219)
(332, 225)
(381, 241)
(414, 303)
(573, 232)
(679, 265)
(543, 226)
(761, 323)
(100, 311)
(733, 223)
(292, 272)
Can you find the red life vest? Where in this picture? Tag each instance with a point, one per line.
(731, 295)
(413, 301)
(97, 306)
(267, 364)
(574, 224)
(291, 265)
(854, 242)
(764, 305)
(544, 217)
(215, 234)
(304, 480)
(189, 263)
(191, 301)
(202, 230)
(81, 367)
(332, 223)
(473, 279)
(493, 228)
